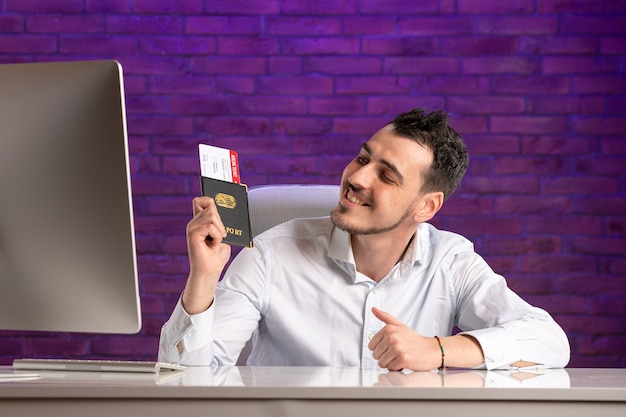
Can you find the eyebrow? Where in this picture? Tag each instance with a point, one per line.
(366, 147)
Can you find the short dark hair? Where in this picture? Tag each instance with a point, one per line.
(450, 157)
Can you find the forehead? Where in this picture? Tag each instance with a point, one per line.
(405, 153)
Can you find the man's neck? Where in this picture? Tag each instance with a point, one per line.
(376, 254)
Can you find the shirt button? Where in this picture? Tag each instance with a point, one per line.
(374, 291)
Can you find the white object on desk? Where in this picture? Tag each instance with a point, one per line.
(88, 365)
(18, 377)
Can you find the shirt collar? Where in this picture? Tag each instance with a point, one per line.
(340, 250)
(412, 254)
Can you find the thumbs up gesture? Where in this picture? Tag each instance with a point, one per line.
(396, 346)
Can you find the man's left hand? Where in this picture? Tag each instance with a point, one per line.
(396, 346)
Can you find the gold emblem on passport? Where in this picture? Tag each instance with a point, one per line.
(225, 200)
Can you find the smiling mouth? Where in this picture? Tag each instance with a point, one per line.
(354, 198)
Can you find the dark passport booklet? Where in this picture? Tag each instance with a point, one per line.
(231, 200)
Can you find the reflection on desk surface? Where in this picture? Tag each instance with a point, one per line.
(268, 376)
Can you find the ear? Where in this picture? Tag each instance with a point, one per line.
(428, 206)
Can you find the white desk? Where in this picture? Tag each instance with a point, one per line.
(320, 392)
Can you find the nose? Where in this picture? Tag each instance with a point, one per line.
(362, 176)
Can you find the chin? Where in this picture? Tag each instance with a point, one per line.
(337, 216)
(339, 220)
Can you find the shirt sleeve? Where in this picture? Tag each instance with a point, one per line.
(218, 335)
(193, 332)
(507, 328)
(214, 337)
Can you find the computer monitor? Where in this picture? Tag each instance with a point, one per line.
(67, 243)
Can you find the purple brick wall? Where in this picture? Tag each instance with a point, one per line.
(536, 87)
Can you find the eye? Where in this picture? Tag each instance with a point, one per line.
(386, 178)
(362, 159)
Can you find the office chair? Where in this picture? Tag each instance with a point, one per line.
(271, 205)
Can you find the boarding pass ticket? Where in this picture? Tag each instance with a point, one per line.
(219, 163)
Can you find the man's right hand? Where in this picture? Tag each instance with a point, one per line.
(207, 255)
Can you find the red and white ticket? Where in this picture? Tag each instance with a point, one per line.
(219, 163)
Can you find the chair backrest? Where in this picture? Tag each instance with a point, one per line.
(271, 205)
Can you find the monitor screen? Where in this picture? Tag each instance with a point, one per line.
(67, 244)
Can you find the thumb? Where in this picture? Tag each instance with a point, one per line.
(386, 317)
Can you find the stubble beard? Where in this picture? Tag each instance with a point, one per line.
(353, 229)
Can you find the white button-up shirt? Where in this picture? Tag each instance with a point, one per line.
(298, 294)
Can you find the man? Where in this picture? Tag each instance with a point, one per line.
(371, 285)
